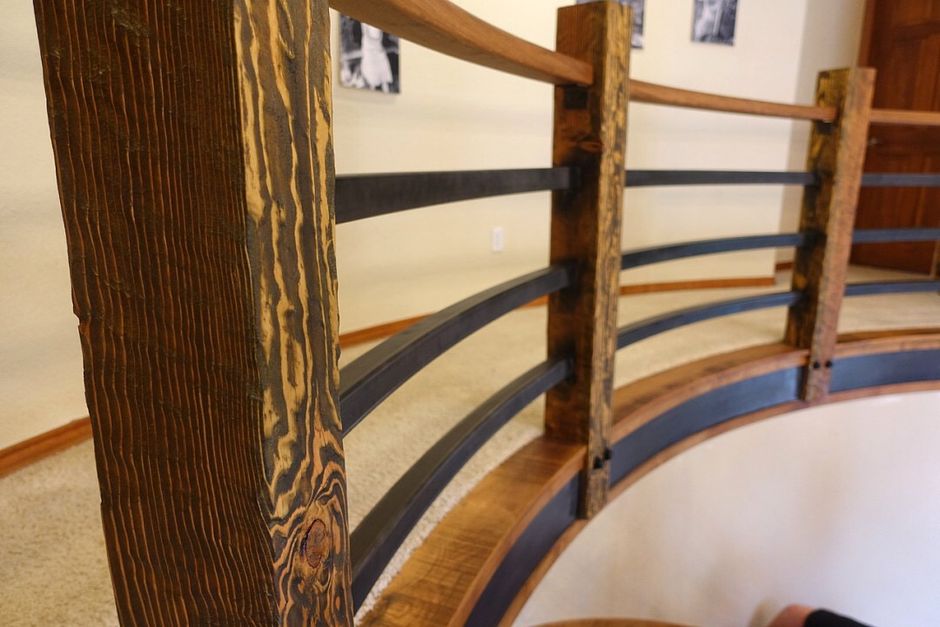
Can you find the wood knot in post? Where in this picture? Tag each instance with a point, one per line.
(316, 544)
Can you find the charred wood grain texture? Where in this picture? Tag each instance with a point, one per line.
(589, 134)
(836, 155)
(194, 161)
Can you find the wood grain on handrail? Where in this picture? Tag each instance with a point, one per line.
(660, 94)
(446, 28)
(443, 26)
(901, 117)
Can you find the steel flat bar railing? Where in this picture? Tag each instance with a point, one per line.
(380, 534)
(362, 196)
(891, 287)
(369, 379)
(443, 26)
(877, 236)
(643, 329)
(897, 179)
(670, 252)
(650, 178)
(368, 195)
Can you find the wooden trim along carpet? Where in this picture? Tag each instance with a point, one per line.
(32, 450)
(45, 444)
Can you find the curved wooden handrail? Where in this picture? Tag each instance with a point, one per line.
(467, 571)
(903, 117)
(446, 28)
(443, 26)
(651, 93)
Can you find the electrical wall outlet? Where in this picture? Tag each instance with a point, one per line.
(497, 239)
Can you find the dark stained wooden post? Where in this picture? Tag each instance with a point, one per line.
(194, 156)
(590, 134)
(837, 155)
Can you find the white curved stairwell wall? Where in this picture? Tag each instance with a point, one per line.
(835, 506)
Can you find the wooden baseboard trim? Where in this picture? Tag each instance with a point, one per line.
(378, 332)
(699, 284)
(43, 445)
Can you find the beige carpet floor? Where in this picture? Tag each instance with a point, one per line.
(53, 569)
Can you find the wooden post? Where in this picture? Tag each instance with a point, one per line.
(590, 134)
(837, 155)
(194, 159)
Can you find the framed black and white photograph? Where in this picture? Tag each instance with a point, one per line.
(714, 21)
(639, 7)
(369, 57)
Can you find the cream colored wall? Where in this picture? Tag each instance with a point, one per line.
(40, 361)
(451, 115)
(834, 506)
(830, 40)
(455, 115)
